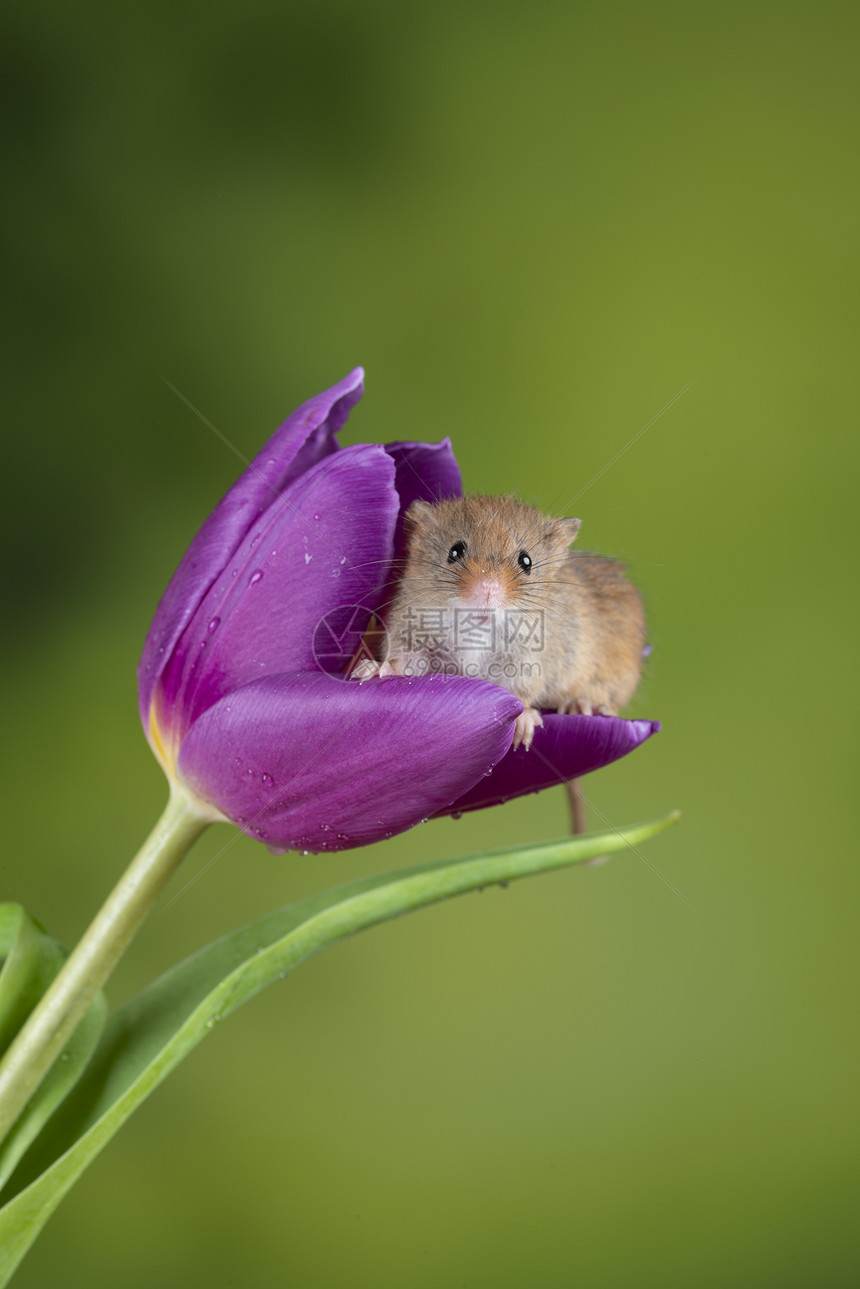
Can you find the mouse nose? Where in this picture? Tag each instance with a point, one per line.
(489, 592)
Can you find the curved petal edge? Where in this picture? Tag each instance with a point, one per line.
(309, 761)
(564, 748)
(304, 438)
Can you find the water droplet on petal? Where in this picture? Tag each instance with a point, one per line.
(214, 624)
(255, 576)
(456, 814)
(266, 780)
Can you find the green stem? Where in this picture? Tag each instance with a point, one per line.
(42, 1038)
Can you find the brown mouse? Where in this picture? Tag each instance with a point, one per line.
(489, 588)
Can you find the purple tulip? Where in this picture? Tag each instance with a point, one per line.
(242, 680)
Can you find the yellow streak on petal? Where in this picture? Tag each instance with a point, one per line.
(166, 757)
(166, 754)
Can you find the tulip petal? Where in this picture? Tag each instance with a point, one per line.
(325, 543)
(311, 762)
(304, 438)
(423, 472)
(564, 747)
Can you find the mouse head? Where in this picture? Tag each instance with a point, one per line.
(488, 551)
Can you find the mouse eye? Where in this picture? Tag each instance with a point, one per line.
(524, 560)
(457, 551)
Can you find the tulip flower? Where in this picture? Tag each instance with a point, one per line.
(245, 699)
(241, 683)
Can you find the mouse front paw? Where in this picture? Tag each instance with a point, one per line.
(367, 669)
(525, 726)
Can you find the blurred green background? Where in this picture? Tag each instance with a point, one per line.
(533, 224)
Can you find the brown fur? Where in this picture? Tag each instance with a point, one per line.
(593, 620)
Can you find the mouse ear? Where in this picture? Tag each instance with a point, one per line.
(417, 511)
(566, 529)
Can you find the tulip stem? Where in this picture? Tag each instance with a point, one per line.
(41, 1039)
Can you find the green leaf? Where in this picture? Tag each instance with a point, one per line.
(152, 1032)
(31, 961)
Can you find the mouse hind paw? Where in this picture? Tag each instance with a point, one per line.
(585, 707)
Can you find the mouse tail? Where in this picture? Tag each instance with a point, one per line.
(576, 802)
(578, 818)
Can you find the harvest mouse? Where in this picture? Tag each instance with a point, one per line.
(490, 589)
